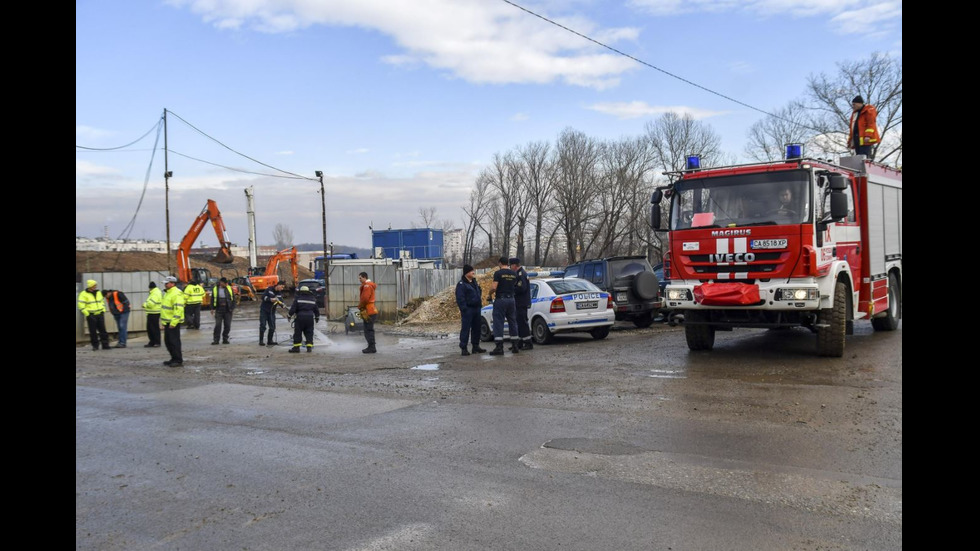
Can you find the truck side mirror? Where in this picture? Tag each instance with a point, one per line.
(655, 200)
(838, 182)
(838, 204)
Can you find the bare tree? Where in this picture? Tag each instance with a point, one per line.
(674, 137)
(502, 174)
(283, 236)
(878, 79)
(537, 172)
(475, 212)
(768, 137)
(626, 165)
(575, 186)
(428, 216)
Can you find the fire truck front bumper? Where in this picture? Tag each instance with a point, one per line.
(767, 296)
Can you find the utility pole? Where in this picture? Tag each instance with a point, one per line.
(166, 191)
(326, 253)
(253, 260)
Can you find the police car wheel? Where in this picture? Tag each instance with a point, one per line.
(486, 335)
(540, 332)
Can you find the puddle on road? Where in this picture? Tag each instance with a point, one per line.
(668, 374)
(427, 367)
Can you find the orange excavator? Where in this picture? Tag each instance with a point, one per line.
(185, 273)
(270, 277)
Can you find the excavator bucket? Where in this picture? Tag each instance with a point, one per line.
(223, 257)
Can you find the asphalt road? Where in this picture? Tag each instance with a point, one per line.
(632, 442)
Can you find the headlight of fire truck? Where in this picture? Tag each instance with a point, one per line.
(678, 294)
(803, 293)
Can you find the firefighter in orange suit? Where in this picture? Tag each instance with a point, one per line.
(368, 311)
(863, 137)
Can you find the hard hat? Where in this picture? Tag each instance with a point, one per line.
(170, 279)
(304, 288)
(91, 283)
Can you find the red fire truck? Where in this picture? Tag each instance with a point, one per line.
(793, 243)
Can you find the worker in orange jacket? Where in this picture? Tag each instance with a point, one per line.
(863, 135)
(368, 311)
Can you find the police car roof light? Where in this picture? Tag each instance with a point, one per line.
(794, 151)
(693, 162)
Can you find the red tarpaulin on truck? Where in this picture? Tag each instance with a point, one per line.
(726, 294)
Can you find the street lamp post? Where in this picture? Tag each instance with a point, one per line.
(326, 254)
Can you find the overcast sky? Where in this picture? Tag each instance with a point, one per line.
(401, 102)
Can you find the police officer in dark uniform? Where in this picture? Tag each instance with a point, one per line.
(522, 301)
(470, 300)
(504, 308)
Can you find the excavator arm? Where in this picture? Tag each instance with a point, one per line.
(211, 214)
(271, 275)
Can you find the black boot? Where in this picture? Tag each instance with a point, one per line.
(272, 340)
(528, 345)
(370, 349)
(498, 349)
(478, 350)
(261, 341)
(294, 349)
(514, 347)
(464, 351)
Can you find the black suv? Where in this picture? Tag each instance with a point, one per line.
(634, 287)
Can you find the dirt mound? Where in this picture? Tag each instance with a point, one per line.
(441, 307)
(134, 261)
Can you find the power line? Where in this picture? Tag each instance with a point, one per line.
(640, 61)
(294, 177)
(121, 146)
(237, 152)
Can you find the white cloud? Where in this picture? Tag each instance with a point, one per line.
(84, 169)
(286, 152)
(518, 117)
(845, 16)
(475, 40)
(637, 109)
(90, 134)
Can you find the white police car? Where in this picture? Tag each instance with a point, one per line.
(561, 305)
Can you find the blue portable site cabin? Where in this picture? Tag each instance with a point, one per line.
(418, 243)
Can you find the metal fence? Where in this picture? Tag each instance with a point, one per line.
(136, 287)
(396, 286)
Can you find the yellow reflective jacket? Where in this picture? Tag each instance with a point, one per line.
(91, 303)
(194, 294)
(172, 307)
(153, 302)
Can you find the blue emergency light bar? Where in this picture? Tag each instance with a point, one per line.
(693, 162)
(794, 151)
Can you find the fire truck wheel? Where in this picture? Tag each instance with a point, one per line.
(833, 324)
(700, 337)
(889, 322)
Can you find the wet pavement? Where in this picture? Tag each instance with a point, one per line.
(632, 442)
